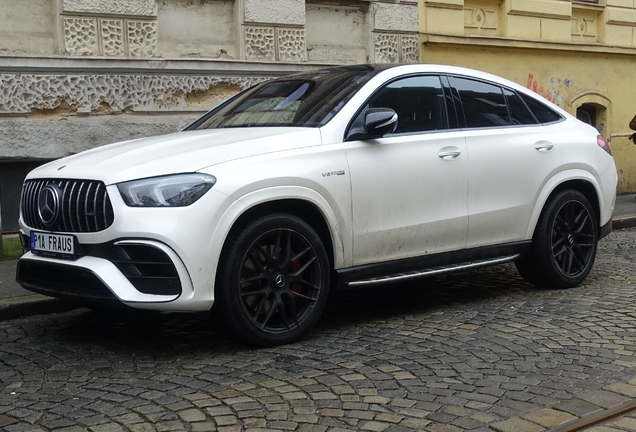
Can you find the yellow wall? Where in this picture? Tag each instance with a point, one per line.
(553, 47)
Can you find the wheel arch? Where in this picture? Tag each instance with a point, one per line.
(300, 208)
(587, 189)
(581, 184)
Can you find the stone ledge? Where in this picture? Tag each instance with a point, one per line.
(56, 65)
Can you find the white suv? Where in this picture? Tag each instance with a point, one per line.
(344, 177)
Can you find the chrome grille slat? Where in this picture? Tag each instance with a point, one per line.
(64, 216)
(78, 204)
(70, 207)
(86, 210)
(81, 203)
(96, 196)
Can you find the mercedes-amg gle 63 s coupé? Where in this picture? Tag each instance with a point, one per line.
(344, 177)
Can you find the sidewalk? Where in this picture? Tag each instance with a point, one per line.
(16, 302)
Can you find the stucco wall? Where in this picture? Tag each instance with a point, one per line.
(27, 27)
(198, 29)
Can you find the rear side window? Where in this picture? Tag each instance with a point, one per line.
(483, 103)
(520, 113)
(541, 111)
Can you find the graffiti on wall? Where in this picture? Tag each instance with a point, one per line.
(551, 93)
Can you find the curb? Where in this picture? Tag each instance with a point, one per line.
(628, 221)
(25, 306)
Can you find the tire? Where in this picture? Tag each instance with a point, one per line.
(564, 243)
(273, 281)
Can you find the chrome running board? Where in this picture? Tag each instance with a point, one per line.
(401, 277)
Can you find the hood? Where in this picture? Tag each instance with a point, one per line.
(175, 153)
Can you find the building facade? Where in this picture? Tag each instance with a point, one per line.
(75, 74)
(577, 54)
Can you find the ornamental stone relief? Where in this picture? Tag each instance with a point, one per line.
(271, 43)
(583, 28)
(80, 36)
(142, 38)
(260, 44)
(480, 20)
(410, 49)
(95, 37)
(396, 48)
(291, 45)
(113, 37)
(387, 48)
(24, 93)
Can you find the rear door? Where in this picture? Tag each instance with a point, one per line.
(511, 157)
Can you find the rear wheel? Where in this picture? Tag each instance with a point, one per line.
(273, 281)
(564, 244)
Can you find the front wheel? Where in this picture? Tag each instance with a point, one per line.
(273, 281)
(564, 244)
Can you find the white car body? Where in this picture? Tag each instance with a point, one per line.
(381, 202)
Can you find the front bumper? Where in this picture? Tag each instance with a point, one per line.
(175, 271)
(139, 273)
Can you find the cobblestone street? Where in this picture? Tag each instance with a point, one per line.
(473, 351)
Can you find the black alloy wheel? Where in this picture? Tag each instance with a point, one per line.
(564, 243)
(573, 239)
(274, 281)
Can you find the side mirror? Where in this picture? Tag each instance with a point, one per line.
(380, 121)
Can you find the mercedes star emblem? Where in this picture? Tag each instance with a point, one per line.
(49, 204)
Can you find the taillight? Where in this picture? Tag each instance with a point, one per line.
(603, 144)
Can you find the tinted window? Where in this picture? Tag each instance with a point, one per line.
(418, 102)
(483, 104)
(541, 111)
(520, 113)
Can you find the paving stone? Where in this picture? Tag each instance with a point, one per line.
(548, 418)
(603, 398)
(577, 407)
(516, 424)
(203, 427)
(192, 415)
(109, 427)
(625, 389)
(6, 420)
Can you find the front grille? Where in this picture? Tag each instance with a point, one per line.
(84, 206)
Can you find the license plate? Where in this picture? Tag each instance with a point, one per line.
(55, 244)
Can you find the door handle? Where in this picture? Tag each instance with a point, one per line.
(449, 153)
(543, 146)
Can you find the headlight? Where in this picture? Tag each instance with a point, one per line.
(170, 191)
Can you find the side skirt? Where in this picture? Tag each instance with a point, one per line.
(429, 265)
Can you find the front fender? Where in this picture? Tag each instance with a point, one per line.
(341, 238)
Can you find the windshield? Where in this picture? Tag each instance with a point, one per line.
(307, 100)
